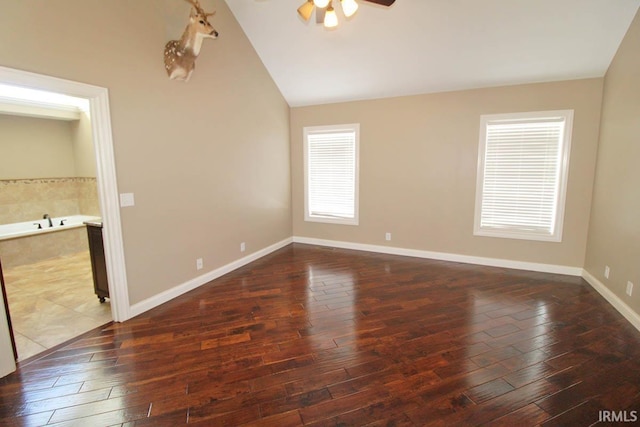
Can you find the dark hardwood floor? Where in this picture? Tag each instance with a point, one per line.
(319, 336)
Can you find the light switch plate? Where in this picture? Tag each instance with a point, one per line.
(126, 199)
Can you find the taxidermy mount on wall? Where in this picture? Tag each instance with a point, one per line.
(180, 55)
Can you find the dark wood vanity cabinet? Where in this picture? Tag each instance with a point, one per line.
(98, 263)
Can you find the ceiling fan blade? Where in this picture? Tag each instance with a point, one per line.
(382, 2)
(320, 15)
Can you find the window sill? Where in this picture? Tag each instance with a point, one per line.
(519, 235)
(329, 220)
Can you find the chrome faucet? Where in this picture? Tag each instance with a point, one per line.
(46, 216)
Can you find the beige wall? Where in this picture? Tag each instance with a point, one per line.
(84, 157)
(46, 166)
(418, 160)
(207, 160)
(35, 148)
(614, 232)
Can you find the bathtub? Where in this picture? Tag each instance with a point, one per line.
(23, 243)
(30, 228)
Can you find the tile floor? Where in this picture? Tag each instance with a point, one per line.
(53, 301)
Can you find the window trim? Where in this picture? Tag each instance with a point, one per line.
(563, 177)
(307, 130)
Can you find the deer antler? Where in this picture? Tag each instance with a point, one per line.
(199, 9)
(196, 5)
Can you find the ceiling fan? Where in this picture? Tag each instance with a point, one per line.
(325, 13)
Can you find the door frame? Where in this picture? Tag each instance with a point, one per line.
(7, 314)
(98, 98)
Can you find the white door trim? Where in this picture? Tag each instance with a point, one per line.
(7, 363)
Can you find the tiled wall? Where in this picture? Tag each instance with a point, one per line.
(29, 199)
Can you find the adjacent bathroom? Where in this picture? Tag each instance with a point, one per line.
(48, 191)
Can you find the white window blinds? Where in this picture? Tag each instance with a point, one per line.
(331, 174)
(523, 176)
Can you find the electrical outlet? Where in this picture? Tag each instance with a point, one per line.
(629, 288)
(387, 236)
(607, 270)
(199, 264)
(243, 247)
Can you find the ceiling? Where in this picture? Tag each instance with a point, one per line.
(425, 46)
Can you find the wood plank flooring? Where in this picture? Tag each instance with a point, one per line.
(328, 337)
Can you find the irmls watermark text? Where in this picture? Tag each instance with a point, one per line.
(618, 416)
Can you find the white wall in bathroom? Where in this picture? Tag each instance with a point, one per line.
(35, 148)
(83, 150)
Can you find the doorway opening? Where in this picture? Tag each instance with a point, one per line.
(96, 99)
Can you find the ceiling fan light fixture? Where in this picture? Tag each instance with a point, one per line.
(330, 18)
(349, 7)
(326, 13)
(306, 10)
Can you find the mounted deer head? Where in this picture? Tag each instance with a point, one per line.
(180, 55)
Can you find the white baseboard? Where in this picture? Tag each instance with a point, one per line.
(613, 299)
(443, 256)
(176, 291)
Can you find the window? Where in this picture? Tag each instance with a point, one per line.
(522, 175)
(331, 173)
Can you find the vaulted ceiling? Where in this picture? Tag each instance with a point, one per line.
(424, 46)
